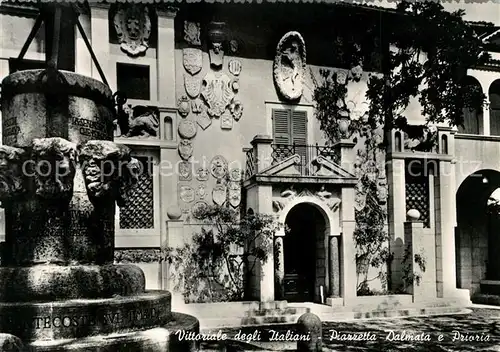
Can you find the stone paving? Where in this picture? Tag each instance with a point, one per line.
(477, 331)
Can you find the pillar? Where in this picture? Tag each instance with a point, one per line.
(100, 43)
(348, 248)
(420, 242)
(263, 152)
(279, 270)
(347, 154)
(486, 118)
(174, 238)
(166, 57)
(396, 211)
(445, 229)
(334, 266)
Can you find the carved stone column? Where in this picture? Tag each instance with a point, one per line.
(334, 266)
(279, 269)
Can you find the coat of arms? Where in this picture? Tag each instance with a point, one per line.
(234, 194)
(234, 67)
(192, 60)
(226, 121)
(217, 92)
(192, 86)
(133, 28)
(186, 194)
(185, 171)
(199, 209)
(197, 106)
(185, 149)
(218, 167)
(203, 120)
(202, 174)
(219, 194)
(192, 33)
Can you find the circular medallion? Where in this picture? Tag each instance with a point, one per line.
(218, 167)
(187, 129)
(199, 209)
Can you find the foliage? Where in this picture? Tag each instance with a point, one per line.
(427, 53)
(430, 52)
(370, 238)
(218, 264)
(411, 276)
(137, 255)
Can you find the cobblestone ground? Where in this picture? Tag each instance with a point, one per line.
(478, 331)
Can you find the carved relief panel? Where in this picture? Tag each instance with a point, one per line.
(132, 23)
(289, 67)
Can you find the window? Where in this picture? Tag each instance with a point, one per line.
(133, 80)
(289, 126)
(290, 133)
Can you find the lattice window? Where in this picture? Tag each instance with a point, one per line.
(417, 197)
(139, 211)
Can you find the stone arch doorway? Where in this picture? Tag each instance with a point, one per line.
(477, 236)
(304, 246)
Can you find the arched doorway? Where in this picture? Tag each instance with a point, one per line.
(477, 237)
(494, 98)
(304, 254)
(473, 119)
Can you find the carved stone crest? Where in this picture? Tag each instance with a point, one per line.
(192, 85)
(203, 120)
(219, 194)
(185, 171)
(202, 174)
(234, 66)
(236, 109)
(186, 194)
(183, 106)
(234, 194)
(133, 28)
(289, 67)
(226, 121)
(192, 60)
(217, 92)
(202, 191)
(187, 129)
(218, 167)
(199, 209)
(235, 175)
(192, 33)
(197, 106)
(185, 149)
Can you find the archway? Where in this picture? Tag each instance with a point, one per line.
(305, 250)
(473, 119)
(494, 98)
(477, 237)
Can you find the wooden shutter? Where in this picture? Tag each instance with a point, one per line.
(299, 128)
(282, 126)
(299, 136)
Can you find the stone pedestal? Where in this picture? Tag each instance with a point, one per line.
(420, 243)
(62, 178)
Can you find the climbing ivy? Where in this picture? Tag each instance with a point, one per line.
(428, 51)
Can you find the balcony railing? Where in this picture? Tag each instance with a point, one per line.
(307, 153)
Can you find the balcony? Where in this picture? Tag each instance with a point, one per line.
(267, 159)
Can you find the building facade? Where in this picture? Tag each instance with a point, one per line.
(219, 109)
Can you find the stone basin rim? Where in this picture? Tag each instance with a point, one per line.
(101, 281)
(146, 296)
(27, 81)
